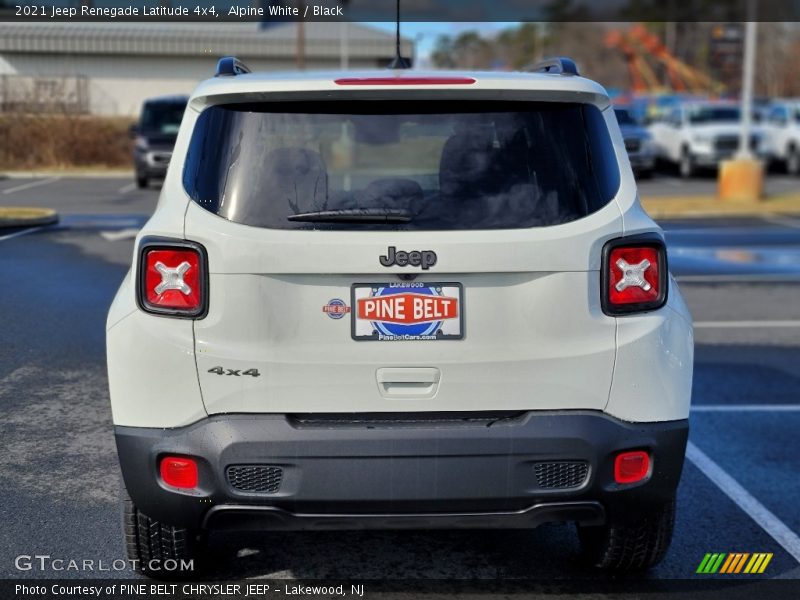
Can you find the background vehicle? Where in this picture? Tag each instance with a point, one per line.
(387, 300)
(154, 136)
(701, 134)
(638, 142)
(782, 129)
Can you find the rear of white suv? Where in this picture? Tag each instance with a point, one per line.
(403, 300)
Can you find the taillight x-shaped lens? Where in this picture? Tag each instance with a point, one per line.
(172, 279)
(634, 275)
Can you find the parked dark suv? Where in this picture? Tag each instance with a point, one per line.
(155, 136)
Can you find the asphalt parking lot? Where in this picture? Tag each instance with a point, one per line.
(59, 471)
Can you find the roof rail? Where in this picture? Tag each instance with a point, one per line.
(229, 66)
(561, 65)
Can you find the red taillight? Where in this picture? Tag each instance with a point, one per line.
(631, 467)
(179, 472)
(404, 81)
(172, 280)
(634, 277)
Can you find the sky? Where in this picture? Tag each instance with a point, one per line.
(425, 34)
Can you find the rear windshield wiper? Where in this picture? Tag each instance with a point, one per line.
(355, 215)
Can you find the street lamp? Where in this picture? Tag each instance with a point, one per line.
(742, 179)
(748, 72)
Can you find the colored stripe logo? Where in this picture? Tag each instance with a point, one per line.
(734, 562)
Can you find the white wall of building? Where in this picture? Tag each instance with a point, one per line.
(119, 84)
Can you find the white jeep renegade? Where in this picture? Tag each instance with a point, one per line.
(400, 299)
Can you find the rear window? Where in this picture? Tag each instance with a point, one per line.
(624, 116)
(401, 166)
(713, 114)
(162, 117)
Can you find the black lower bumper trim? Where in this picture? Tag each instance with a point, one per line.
(238, 517)
(351, 475)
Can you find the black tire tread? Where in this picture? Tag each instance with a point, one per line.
(147, 540)
(686, 155)
(793, 153)
(630, 547)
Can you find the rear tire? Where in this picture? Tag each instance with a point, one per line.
(152, 546)
(633, 546)
(142, 182)
(686, 165)
(793, 161)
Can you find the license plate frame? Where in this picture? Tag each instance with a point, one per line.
(444, 329)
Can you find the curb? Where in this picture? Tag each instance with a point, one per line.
(11, 216)
(670, 207)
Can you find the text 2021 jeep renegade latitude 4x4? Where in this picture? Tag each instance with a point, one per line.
(400, 299)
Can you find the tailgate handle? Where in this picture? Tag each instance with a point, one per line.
(407, 382)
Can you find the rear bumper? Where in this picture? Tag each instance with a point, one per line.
(712, 157)
(642, 161)
(151, 164)
(436, 473)
(233, 517)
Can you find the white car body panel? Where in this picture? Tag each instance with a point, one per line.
(536, 337)
(152, 373)
(528, 344)
(670, 139)
(782, 136)
(653, 371)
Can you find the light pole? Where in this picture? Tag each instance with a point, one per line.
(748, 74)
(742, 179)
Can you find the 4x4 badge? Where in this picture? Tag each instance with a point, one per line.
(417, 258)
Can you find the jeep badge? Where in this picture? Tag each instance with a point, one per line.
(424, 258)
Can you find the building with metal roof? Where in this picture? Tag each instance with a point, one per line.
(110, 68)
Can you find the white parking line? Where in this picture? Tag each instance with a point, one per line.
(760, 324)
(19, 233)
(744, 500)
(25, 186)
(779, 220)
(122, 234)
(746, 408)
(126, 188)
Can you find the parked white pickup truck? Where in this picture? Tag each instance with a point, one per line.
(701, 134)
(782, 130)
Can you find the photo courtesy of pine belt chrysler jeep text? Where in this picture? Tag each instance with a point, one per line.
(400, 299)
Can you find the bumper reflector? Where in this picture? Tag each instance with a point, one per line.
(631, 467)
(179, 472)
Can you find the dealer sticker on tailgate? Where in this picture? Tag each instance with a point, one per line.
(407, 311)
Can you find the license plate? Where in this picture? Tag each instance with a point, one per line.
(407, 311)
